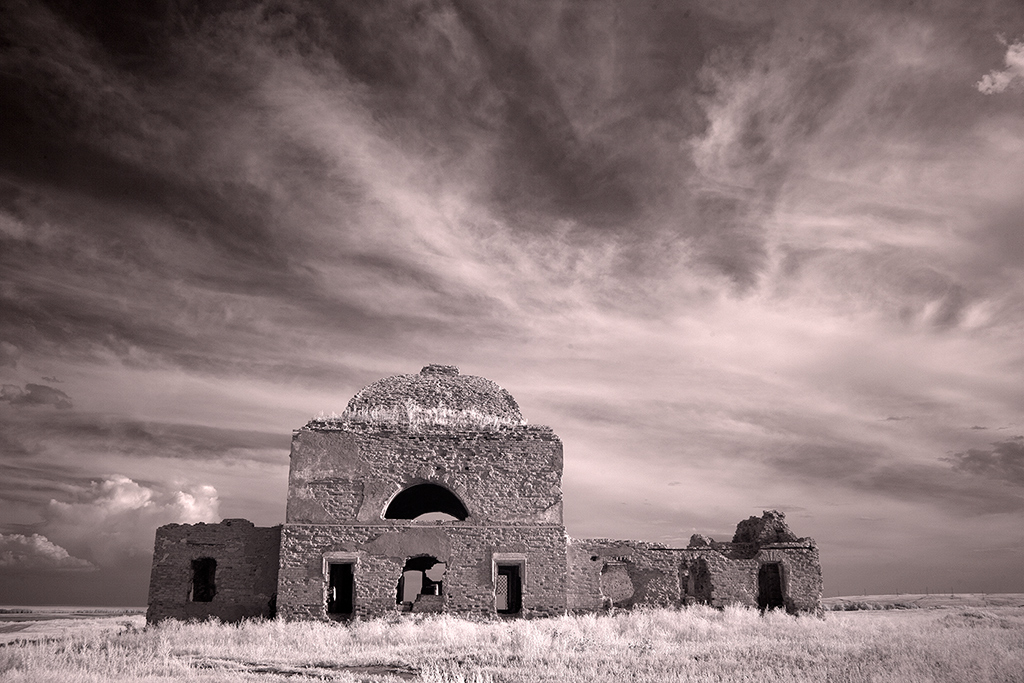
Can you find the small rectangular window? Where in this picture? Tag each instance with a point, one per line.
(204, 586)
(340, 588)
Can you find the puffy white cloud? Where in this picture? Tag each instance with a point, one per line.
(999, 81)
(116, 518)
(37, 553)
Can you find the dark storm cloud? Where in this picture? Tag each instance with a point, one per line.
(544, 163)
(9, 354)
(154, 439)
(75, 431)
(1005, 461)
(35, 395)
(156, 150)
(840, 465)
(935, 486)
(36, 481)
(127, 188)
(563, 132)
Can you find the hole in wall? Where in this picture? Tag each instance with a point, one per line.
(421, 583)
(616, 585)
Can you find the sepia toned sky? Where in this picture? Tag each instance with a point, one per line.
(740, 255)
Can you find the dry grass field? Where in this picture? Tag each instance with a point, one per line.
(952, 643)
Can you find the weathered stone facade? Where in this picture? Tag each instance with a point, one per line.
(431, 493)
(242, 578)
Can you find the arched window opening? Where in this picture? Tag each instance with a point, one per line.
(421, 586)
(421, 500)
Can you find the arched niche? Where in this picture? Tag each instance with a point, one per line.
(425, 499)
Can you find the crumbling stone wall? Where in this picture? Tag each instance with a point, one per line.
(245, 579)
(606, 573)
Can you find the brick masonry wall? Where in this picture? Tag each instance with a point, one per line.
(801, 574)
(639, 573)
(380, 553)
(246, 574)
(348, 475)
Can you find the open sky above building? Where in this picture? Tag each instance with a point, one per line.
(740, 255)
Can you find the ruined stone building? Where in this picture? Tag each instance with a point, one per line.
(431, 493)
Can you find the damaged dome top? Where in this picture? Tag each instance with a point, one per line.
(437, 387)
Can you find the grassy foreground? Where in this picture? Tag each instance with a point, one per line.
(695, 644)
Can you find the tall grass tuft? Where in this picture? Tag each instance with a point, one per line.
(646, 646)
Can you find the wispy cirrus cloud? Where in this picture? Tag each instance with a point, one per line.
(708, 242)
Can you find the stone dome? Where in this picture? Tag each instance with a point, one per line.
(437, 387)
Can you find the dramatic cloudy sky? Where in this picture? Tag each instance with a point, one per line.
(739, 255)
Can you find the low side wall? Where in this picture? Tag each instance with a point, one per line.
(245, 580)
(605, 573)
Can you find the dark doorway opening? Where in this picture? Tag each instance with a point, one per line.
(699, 584)
(508, 589)
(422, 499)
(204, 574)
(769, 587)
(422, 584)
(341, 589)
